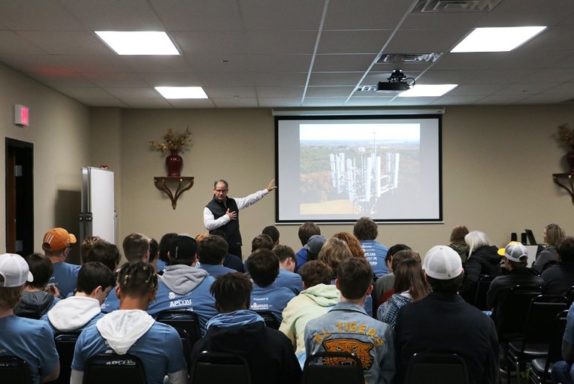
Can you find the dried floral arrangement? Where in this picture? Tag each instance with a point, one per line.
(172, 142)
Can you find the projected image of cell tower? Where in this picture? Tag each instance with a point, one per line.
(364, 177)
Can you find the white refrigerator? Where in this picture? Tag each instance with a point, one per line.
(98, 214)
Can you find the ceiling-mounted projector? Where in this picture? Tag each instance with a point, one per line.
(397, 82)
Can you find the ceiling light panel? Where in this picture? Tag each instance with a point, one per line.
(428, 90)
(139, 43)
(182, 92)
(499, 39)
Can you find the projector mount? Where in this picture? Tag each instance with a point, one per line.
(397, 81)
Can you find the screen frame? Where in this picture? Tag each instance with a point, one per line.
(438, 117)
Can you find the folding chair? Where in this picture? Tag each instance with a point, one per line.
(436, 367)
(220, 368)
(270, 320)
(333, 368)
(14, 370)
(114, 369)
(186, 324)
(541, 368)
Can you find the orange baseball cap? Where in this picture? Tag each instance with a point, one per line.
(57, 239)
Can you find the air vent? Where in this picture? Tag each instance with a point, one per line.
(425, 6)
(408, 58)
(367, 88)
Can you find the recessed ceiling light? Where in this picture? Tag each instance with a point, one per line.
(139, 43)
(182, 92)
(501, 39)
(428, 90)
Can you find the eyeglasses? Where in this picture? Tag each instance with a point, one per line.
(221, 190)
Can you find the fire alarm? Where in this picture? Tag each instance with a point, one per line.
(21, 115)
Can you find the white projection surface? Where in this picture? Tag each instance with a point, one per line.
(339, 169)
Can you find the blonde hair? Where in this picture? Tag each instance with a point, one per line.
(333, 252)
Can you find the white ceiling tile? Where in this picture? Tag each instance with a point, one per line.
(235, 102)
(230, 92)
(281, 15)
(230, 79)
(324, 102)
(123, 80)
(365, 14)
(198, 15)
(335, 78)
(191, 103)
(345, 63)
(219, 43)
(32, 15)
(279, 102)
(280, 79)
(157, 63)
(369, 41)
(66, 43)
(424, 41)
(171, 78)
(329, 91)
(279, 63)
(280, 42)
(11, 43)
(217, 62)
(279, 92)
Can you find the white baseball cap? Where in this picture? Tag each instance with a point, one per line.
(15, 271)
(442, 262)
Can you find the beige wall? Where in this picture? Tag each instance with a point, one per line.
(59, 130)
(497, 166)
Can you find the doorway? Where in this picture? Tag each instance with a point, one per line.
(19, 197)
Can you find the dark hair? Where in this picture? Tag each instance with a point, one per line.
(263, 267)
(409, 276)
(93, 274)
(87, 244)
(315, 272)
(446, 286)
(9, 296)
(212, 249)
(232, 292)
(104, 252)
(352, 242)
(272, 232)
(41, 269)
(365, 229)
(135, 246)
(182, 250)
(403, 255)
(221, 181)
(394, 249)
(458, 233)
(261, 241)
(306, 230)
(164, 244)
(219, 232)
(566, 249)
(354, 277)
(137, 279)
(153, 249)
(283, 252)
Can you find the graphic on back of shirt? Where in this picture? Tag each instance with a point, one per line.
(359, 348)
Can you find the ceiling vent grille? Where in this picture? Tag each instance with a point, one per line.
(408, 58)
(427, 6)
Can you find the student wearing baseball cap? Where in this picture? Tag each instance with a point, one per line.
(443, 321)
(56, 245)
(515, 258)
(30, 340)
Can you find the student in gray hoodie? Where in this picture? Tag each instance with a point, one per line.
(37, 297)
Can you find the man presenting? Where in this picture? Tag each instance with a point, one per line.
(222, 212)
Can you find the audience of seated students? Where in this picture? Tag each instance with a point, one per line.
(273, 233)
(515, 258)
(86, 245)
(553, 236)
(384, 284)
(37, 297)
(366, 231)
(211, 251)
(238, 330)
(315, 300)
(352, 242)
(348, 328)
(261, 241)
(164, 244)
(136, 247)
(287, 277)
(72, 314)
(263, 267)
(333, 253)
(483, 259)
(56, 245)
(559, 278)
(563, 371)
(230, 260)
(457, 241)
(132, 330)
(443, 321)
(30, 340)
(182, 286)
(306, 230)
(410, 285)
(104, 252)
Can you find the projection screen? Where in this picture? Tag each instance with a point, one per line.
(341, 168)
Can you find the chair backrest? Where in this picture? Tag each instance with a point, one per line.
(220, 368)
(14, 370)
(541, 318)
(270, 320)
(436, 367)
(570, 294)
(187, 325)
(114, 369)
(481, 290)
(65, 343)
(555, 346)
(511, 310)
(333, 368)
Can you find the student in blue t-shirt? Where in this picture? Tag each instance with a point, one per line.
(263, 267)
(183, 286)
(211, 250)
(56, 245)
(132, 330)
(30, 340)
(366, 231)
(306, 230)
(287, 277)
